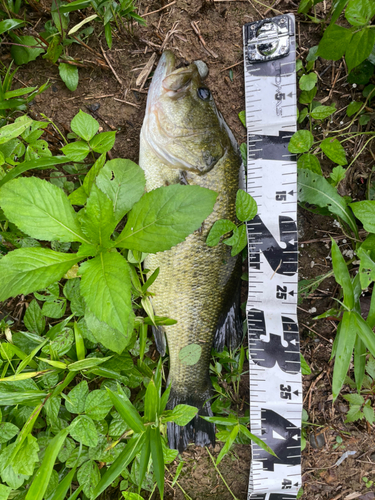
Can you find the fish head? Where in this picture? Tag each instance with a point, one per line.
(182, 124)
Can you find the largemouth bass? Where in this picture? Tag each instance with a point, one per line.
(184, 139)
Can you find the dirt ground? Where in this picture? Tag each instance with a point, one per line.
(220, 46)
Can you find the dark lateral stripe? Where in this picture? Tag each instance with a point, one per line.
(268, 147)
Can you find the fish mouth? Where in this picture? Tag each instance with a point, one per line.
(166, 65)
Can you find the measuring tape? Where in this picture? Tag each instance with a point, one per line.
(274, 356)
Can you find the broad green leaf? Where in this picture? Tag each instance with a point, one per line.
(366, 268)
(301, 141)
(308, 82)
(9, 24)
(105, 286)
(309, 162)
(84, 125)
(354, 399)
(69, 75)
(76, 151)
(111, 338)
(238, 240)
(322, 112)
(337, 175)
(360, 47)
(76, 398)
(157, 458)
(88, 477)
(228, 443)
(316, 190)
(4, 492)
(25, 270)
(34, 319)
(365, 212)
(77, 5)
(342, 275)
(26, 49)
(354, 414)
(334, 42)
(127, 411)
(181, 414)
(220, 227)
(78, 197)
(43, 475)
(83, 430)
(359, 12)
(344, 351)
(92, 174)
(165, 217)
(7, 431)
(8, 132)
(190, 354)
(98, 404)
(353, 108)
(27, 456)
(362, 73)
(368, 412)
(246, 206)
(334, 150)
(40, 209)
(98, 221)
(108, 34)
(123, 182)
(103, 142)
(126, 456)
(307, 96)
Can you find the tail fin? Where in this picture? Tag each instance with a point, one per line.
(229, 329)
(198, 430)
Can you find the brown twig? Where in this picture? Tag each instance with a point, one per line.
(110, 65)
(144, 74)
(89, 48)
(162, 8)
(229, 67)
(198, 33)
(126, 102)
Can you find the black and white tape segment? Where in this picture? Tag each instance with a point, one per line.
(275, 372)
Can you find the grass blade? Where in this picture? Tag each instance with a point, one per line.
(344, 350)
(157, 459)
(127, 411)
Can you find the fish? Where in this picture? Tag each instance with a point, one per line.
(184, 139)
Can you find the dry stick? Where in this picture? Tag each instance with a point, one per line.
(229, 67)
(87, 47)
(155, 11)
(110, 65)
(198, 33)
(126, 102)
(144, 74)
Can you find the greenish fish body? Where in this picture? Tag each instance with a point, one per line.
(185, 140)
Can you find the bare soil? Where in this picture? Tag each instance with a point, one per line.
(220, 46)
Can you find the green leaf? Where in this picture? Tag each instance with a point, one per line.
(126, 456)
(62, 489)
(360, 47)
(354, 399)
(15, 129)
(354, 414)
(365, 212)
(7, 431)
(238, 240)
(103, 142)
(69, 75)
(27, 53)
(127, 411)
(151, 402)
(359, 12)
(181, 414)
(88, 477)
(40, 209)
(337, 175)
(43, 475)
(334, 150)
(337, 7)
(228, 443)
(366, 268)
(368, 412)
(75, 400)
(322, 112)
(344, 351)
(301, 141)
(4, 492)
(83, 430)
(365, 333)
(90, 178)
(361, 74)
(9, 24)
(78, 197)
(305, 369)
(316, 190)
(334, 42)
(11, 398)
(123, 182)
(40, 163)
(108, 34)
(87, 364)
(242, 117)
(246, 207)
(220, 227)
(84, 125)
(98, 404)
(165, 217)
(309, 162)
(307, 96)
(27, 457)
(110, 337)
(157, 458)
(105, 286)
(256, 440)
(243, 151)
(26, 270)
(98, 221)
(34, 319)
(76, 151)
(190, 354)
(308, 82)
(342, 275)
(353, 108)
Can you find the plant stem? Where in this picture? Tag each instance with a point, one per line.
(217, 470)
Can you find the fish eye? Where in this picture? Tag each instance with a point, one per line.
(204, 93)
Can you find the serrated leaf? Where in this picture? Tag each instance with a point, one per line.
(34, 319)
(88, 477)
(105, 286)
(246, 207)
(123, 182)
(220, 227)
(165, 217)
(368, 412)
(316, 190)
(40, 209)
(354, 399)
(308, 82)
(69, 75)
(26, 270)
(334, 43)
(98, 221)
(84, 125)
(76, 398)
(98, 404)
(111, 338)
(301, 141)
(354, 414)
(83, 430)
(309, 162)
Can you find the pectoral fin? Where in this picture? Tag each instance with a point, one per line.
(160, 340)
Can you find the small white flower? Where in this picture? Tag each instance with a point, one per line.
(354, 85)
(341, 123)
(312, 310)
